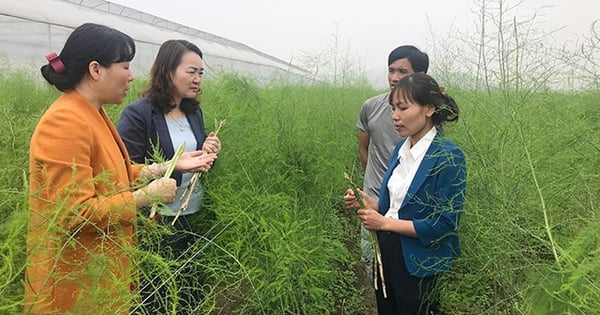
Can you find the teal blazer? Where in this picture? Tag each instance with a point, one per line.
(434, 202)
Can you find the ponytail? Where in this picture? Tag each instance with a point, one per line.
(424, 90)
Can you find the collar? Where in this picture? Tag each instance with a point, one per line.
(419, 148)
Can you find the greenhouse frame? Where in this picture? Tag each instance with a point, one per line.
(30, 29)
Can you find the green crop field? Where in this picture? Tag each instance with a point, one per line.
(276, 238)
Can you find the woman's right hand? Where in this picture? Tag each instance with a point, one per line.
(159, 190)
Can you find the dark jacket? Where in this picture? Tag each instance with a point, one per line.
(142, 124)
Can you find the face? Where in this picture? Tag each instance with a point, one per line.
(187, 77)
(398, 70)
(115, 82)
(410, 118)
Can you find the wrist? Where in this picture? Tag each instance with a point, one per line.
(141, 198)
(385, 224)
(159, 169)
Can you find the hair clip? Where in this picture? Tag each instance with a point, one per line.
(55, 62)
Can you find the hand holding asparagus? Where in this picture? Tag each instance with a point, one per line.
(211, 144)
(355, 199)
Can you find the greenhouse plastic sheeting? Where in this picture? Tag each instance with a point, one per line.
(29, 29)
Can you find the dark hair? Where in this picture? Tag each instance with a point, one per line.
(418, 59)
(160, 90)
(89, 42)
(424, 90)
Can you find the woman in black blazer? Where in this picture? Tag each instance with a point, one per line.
(167, 116)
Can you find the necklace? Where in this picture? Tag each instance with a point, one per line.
(179, 122)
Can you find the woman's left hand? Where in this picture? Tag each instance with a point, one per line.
(212, 144)
(195, 161)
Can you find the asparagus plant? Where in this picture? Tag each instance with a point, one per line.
(378, 265)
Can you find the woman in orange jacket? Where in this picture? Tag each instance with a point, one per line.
(84, 193)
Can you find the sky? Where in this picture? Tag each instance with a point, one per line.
(368, 30)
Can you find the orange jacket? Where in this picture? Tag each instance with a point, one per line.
(82, 217)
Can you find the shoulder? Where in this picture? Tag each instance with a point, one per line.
(140, 105)
(67, 118)
(374, 105)
(378, 100)
(70, 109)
(451, 146)
(448, 149)
(141, 108)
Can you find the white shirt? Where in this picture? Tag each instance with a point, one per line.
(409, 161)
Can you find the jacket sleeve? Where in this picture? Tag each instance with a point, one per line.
(444, 198)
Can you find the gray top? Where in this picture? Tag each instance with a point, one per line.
(375, 118)
(181, 132)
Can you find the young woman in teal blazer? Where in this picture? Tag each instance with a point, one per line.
(422, 194)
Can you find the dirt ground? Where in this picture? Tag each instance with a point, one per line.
(371, 304)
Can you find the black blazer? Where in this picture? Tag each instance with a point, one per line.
(142, 126)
